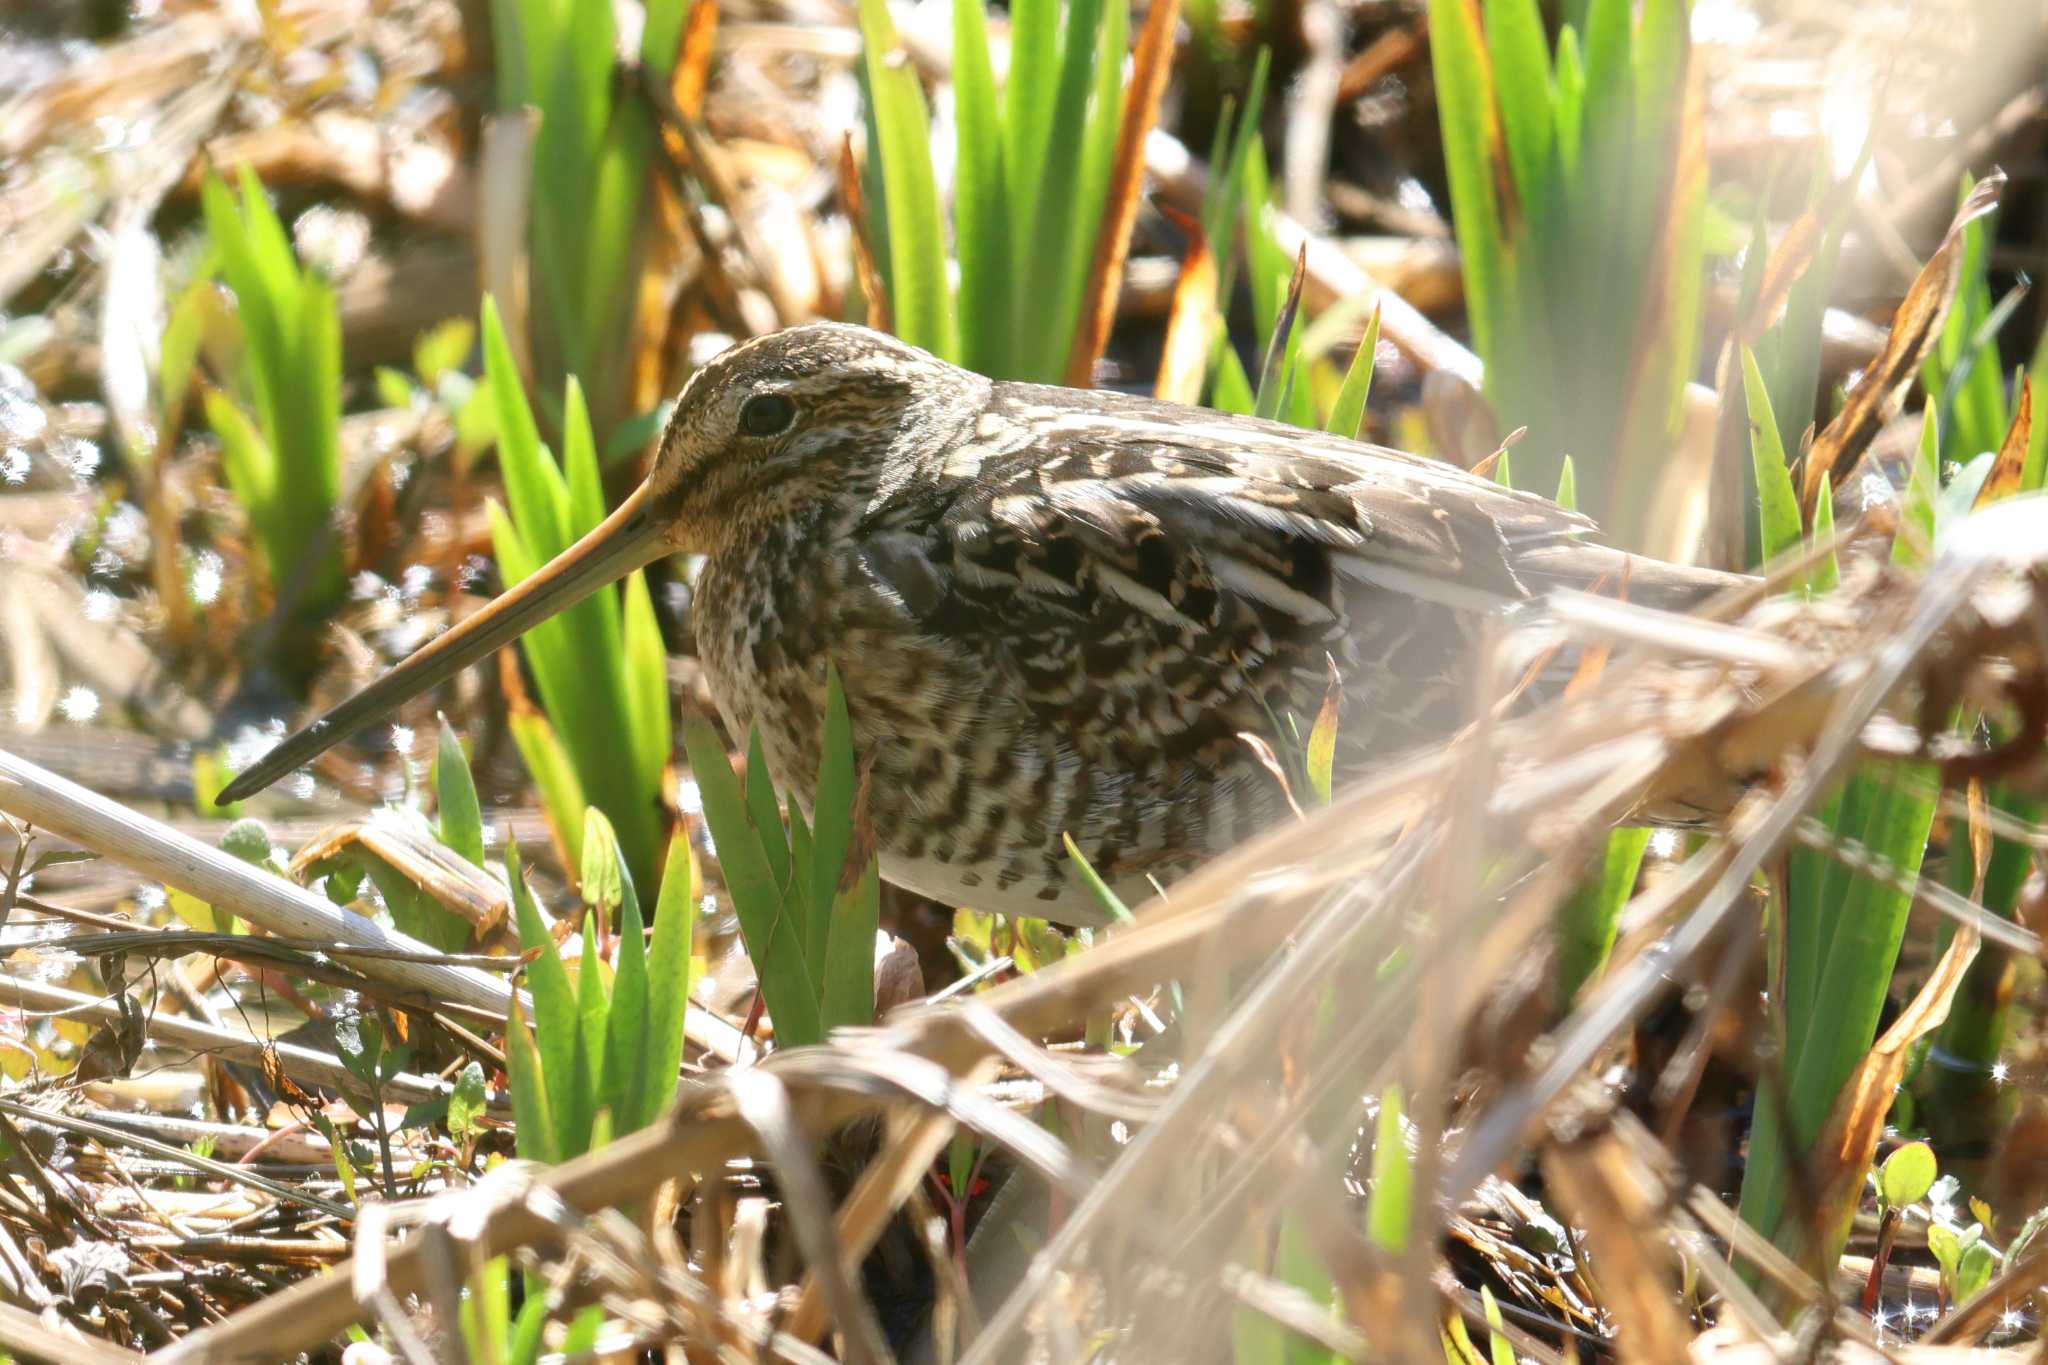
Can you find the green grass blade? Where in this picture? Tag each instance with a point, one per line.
(1467, 112)
(554, 1002)
(645, 674)
(1777, 503)
(461, 815)
(1347, 417)
(668, 972)
(832, 818)
(593, 1003)
(627, 1034)
(1098, 155)
(579, 658)
(251, 470)
(554, 776)
(1231, 388)
(916, 244)
(849, 965)
(1522, 87)
(1226, 193)
(981, 199)
(765, 811)
(773, 944)
(1914, 544)
(581, 478)
(1570, 109)
(1031, 92)
(1387, 1216)
(1828, 573)
(538, 498)
(1045, 271)
(1111, 903)
(661, 36)
(532, 1106)
(1588, 921)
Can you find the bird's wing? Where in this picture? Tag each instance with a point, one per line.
(1194, 577)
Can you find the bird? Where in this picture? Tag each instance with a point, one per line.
(1055, 613)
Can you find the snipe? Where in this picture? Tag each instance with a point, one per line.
(1054, 611)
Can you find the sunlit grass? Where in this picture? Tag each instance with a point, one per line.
(600, 666)
(1578, 180)
(277, 411)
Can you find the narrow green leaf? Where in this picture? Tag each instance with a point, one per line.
(1347, 418)
(1777, 503)
(581, 476)
(539, 500)
(628, 1042)
(773, 946)
(579, 657)
(1466, 112)
(1914, 543)
(922, 298)
(1499, 1347)
(651, 739)
(554, 1007)
(1587, 922)
(1828, 573)
(1045, 270)
(599, 876)
(2035, 470)
(1030, 92)
(1276, 373)
(981, 207)
(1231, 390)
(180, 346)
(764, 809)
(1387, 1207)
(561, 795)
(593, 1004)
(661, 36)
(461, 815)
(848, 998)
(1319, 759)
(1567, 487)
(527, 1075)
(669, 983)
(1226, 195)
(832, 821)
(251, 470)
(1111, 903)
(1108, 49)
(1521, 81)
(1571, 100)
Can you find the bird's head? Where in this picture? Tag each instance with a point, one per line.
(778, 428)
(784, 426)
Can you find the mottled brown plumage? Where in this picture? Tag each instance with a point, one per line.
(1055, 611)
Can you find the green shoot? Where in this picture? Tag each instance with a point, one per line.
(808, 898)
(600, 666)
(284, 463)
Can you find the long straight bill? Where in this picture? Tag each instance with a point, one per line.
(628, 539)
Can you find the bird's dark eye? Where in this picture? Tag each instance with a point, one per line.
(767, 414)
